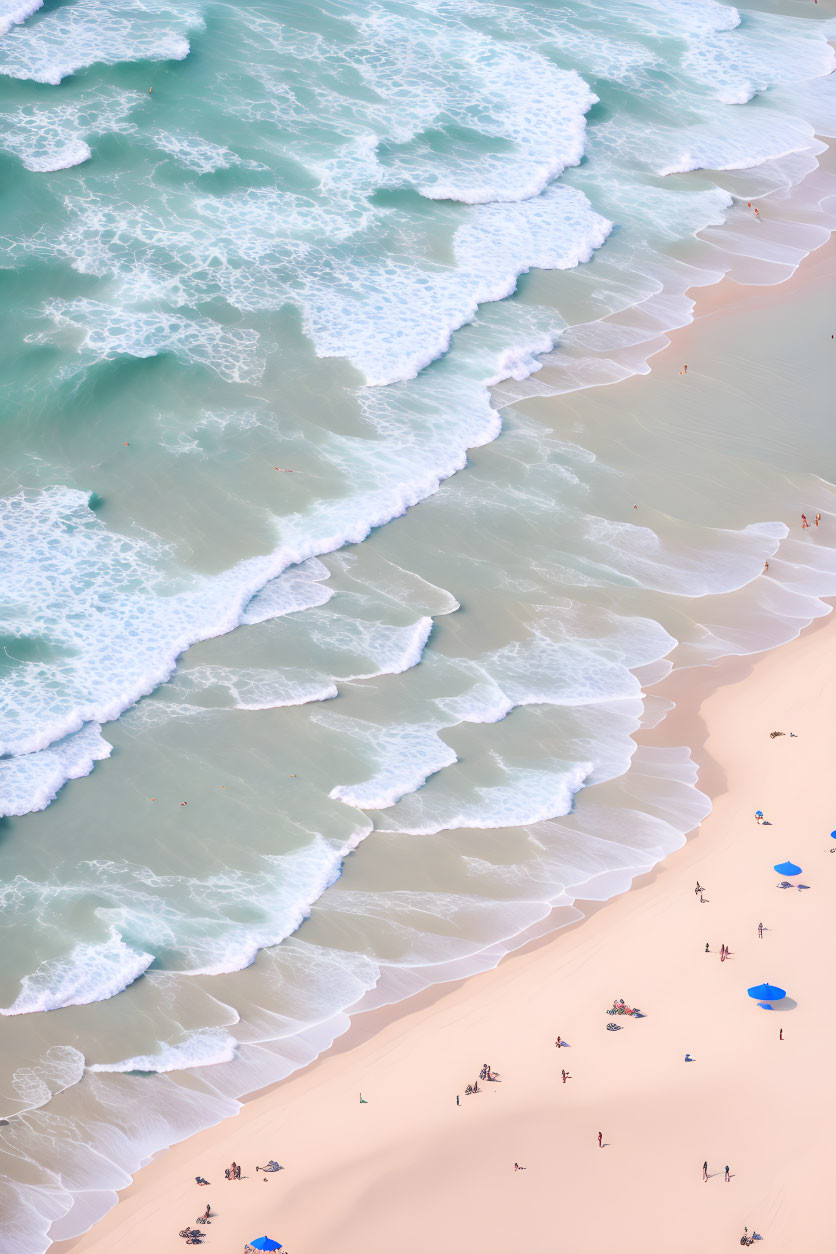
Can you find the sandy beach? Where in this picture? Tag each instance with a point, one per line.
(411, 1169)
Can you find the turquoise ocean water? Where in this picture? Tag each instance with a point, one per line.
(305, 549)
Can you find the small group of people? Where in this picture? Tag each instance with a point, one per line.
(484, 1074)
(804, 522)
(193, 1236)
(233, 1172)
(705, 1175)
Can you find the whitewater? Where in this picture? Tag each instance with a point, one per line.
(327, 619)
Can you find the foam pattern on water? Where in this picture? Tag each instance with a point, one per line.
(89, 972)
(106, 331)
(72, 37)
(14, 11)
(30, 781)
(397, 330)
(54, 138)
(203, 1048)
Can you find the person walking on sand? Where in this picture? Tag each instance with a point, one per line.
(600, 1140)
(780, 1034)
(698, 889)
(804, 522)
(558, 1043)
(563, 1073)
(728, 1177)
(817, 519)
(684, 370)
(760, 931)
(706, 947)
(705, 1170)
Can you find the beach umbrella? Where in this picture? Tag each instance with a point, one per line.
(265, 1243)
(787, 868)
(766, 992)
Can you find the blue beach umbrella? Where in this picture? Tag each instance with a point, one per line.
(787, 868)
(265, 1243)
(766, 992)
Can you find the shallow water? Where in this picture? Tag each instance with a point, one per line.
(256, 322)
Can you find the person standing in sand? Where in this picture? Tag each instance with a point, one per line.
(600, 1140)
(728, 1177)
(705, 1170)
(817, 519)
(760, 931)
(804, 522)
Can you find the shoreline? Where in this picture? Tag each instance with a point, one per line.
(295, 1117)
(369, 1026)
